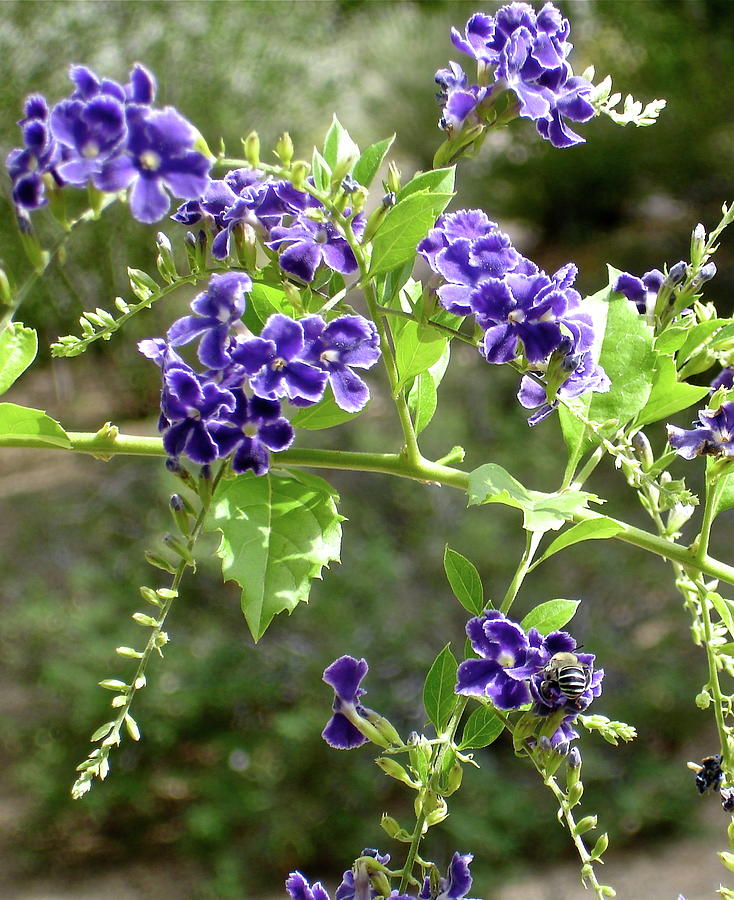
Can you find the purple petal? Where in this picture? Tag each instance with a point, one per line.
(301, 259)
(148, 200)
(305, 382)
(350, 392)
(474, 676)
(340, 734)
(251, 455)
(345, 675)
(286, 334)
(277, 435)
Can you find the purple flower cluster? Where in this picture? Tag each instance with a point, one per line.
(713, 434)
(209, 415)
(356, 883)
(285, 219)
(528, 53)
(520, 308)
(512, 671)
(112, 136)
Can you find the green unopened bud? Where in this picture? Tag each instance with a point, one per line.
(150, 596)
(453, 779)
(587, 871)
(357, 200)
(191, 255)
(299, 173)
(389, 825)
(179, 548)
(245, 243)
(141, 284)
(600, 846)
(376, 218)
(394, 770)
(393, 181)
(438, 813)
(284, 149)
(703, 700)
(6, 294)
(165, 261)
(607, 890)
(643, 450)
(180, 514)
(251, 145)
(384, 727)
(293, 296)
(575, 793)
(204, 485)
(586, 824)
(727, 859)
(698, 245)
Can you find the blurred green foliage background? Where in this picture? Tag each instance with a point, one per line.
(232, 780)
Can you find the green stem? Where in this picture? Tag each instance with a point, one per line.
(714, 685)
(532, 540)
(420, 821)
(106, 445)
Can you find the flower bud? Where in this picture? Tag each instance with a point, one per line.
(165, 261)
(677, 273)
(377, 217)
(600, 846)
(706, 274)
(395, 770)
(349, 185)
(180, 514)
(392, 182)
(575, 793)
(586, 824)
(6, 294)
(245, 243)
(299, 172)
(703, 700)
(383, 727)
(643, 450)
(251, 146)
(698, 244)
(284, 149)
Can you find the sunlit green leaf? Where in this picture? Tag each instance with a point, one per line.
(550, 616)
(18, 348)
(19, 424)
(368, 165)
(464, 580)
(439, 698)
(482, 728)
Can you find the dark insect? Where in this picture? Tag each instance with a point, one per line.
(566, 672)
(709, 774)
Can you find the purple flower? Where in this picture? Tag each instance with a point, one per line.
(477, 33)
(529, 53)
(190, 406)
(216, 309)
(643, 291)
(253, 428)
(455, 885)
(310, 244)
(724, 379)
(547, 685)
(458, 98)
(89, 133)
(299, 889)
(158, 155)
(513, 668)
(713, 434)
(586, 376)
(274, 361)
(346, 342)
(507, 661)
(345, 676)
(40, 154)
(519, 310)
(356, 883)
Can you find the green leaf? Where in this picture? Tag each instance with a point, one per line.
(697, 337)
(464, 580)
(264, 300)
(423, 395)
(439, 698)
(368, 164)
(725, 499)
(325, 414)
(723, 608)
(550, 616)
(278, 532)
(668, 395)
(435, 181)
(482, 728)
(320, 170)
(19, 423)
(407, 223)
(541, 512)
(672, 338)
(18, 348)
(417, 348)
(591, 530)
(628, 359)
(339, 148)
